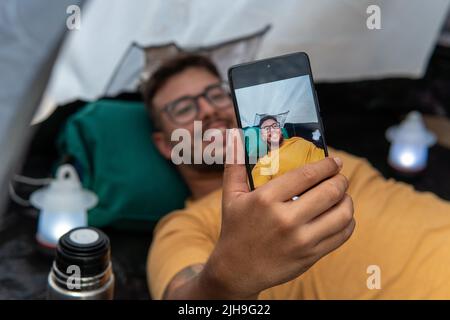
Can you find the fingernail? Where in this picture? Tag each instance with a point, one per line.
(338, 161)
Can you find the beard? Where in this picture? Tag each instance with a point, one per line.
(280, 142)
(208, 168)
(218, 164)
(198, 145)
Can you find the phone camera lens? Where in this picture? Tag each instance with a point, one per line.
(268, 66)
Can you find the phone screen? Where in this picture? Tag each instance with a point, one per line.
(277, 109)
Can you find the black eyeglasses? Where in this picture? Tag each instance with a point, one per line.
(273, 126)
(186, 109)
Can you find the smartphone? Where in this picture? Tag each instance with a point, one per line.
(277, 108)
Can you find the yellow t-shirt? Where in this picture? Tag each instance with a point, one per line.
(404, 233)
(293, 153)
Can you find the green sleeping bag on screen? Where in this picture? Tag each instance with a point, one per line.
(109, 142)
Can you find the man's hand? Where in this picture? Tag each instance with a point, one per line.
(266, 238)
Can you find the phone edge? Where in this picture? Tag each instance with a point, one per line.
(237, 114)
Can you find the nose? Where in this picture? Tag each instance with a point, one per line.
(206, 109)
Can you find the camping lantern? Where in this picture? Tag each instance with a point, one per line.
(63, 204)
(410, 141)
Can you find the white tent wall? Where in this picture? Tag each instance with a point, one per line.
(334, 34)
(292, 95)
(28, 48)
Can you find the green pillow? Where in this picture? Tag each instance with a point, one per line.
(110, 142)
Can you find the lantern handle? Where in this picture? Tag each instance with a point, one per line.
(67, 172)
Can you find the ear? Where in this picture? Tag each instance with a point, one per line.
(161, 143)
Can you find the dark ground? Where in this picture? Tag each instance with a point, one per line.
(355, 117)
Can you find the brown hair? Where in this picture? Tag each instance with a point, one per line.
(166, 71)
(265, 118)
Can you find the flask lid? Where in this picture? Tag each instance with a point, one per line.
(86, 247)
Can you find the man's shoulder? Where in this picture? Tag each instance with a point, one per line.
(212, 199)
(298, 142)
(203, 214)
(355, 168)
(207, 208)
(296, 139)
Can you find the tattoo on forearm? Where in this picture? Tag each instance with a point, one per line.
(182, 277)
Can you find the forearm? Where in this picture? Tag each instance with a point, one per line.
(200, 282)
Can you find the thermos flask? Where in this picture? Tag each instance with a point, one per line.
(82, 268)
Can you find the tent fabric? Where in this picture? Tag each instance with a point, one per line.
(29, 44)
(293, 96)
(333, 33)
(224, 54)
(139, 63)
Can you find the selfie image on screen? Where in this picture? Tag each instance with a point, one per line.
(281, 127)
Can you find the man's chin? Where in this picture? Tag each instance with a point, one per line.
(207, 168)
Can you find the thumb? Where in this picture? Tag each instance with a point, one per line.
(234, 180)
(235, 175)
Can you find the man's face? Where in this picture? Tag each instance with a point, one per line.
(191, 82)
(270, 132)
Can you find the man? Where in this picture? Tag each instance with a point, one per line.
(237, 244)
(284, 154)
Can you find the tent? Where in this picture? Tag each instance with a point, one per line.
(118, 43)
(105, 57)
(29, 46)
(121, 42)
